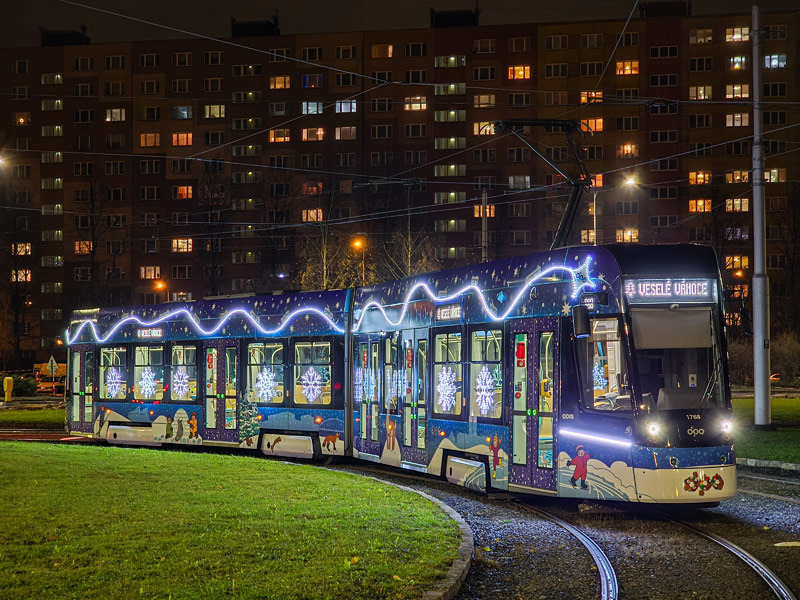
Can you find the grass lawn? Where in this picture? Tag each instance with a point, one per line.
(782, 444)
(91, 522)
(34, 417)
(782, 409)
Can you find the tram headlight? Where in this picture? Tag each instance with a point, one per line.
(653, 428)
(727, 427)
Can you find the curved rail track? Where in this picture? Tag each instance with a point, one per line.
(609, 587)
(778, 587)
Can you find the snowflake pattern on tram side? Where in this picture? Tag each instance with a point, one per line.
(399, 384)
(312, 384)
(113, 382)
(446, 389)
(358, 385)
(266, 385)
(180, 383)
(484, 391)
(147, 383)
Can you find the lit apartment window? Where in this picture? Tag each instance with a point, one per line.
(415, 103)
(737, 34)
(182, 192)
(737, 90)
(738, 63)
(737, 262)
(115, 114)
(21, 275)
(627, 67)
(700, 206)
(629, 236)
(456, 60)
(478, 211)
(519, 72)
(279, 135)
(483, 128)
(700, 36)
(313, 134)
(589, 96)
(774, 175)
(737, 205)
(182, 244)
(311, 80)
(313, 215)
(52, 78)
(381, 51)
(594, 125)
(737, 120)
(484, 101)
(700, 92)
(182, 139)
(149, 140)
(628, 151)
(346, 106)
(774, 61)
(345, 133)
(699, 177)
(214, 111)
(519, 182)
(82, 247)
(280, 82)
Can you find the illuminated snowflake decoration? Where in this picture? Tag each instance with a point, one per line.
(312, 384)
(446, 390)
(147, 383)
(484, 390)
(113, 382)
(599, 376)
(358, 385)
(497, 375)
(369, 385)
(399, 383)
(266, 384)
(180, 383)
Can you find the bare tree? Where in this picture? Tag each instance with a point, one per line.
(410, 249)
(214, 209)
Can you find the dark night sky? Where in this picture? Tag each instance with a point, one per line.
(212, 17)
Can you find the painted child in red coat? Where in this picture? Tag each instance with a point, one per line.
(580, 467)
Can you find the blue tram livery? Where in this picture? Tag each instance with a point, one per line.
(585, 372)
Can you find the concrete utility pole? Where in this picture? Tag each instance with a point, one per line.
(762, 414)
(484, 227)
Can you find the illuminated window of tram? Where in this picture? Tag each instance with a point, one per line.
(486, 374)
(447, 382)
(312, 373)
(391, 375)
(184, 373)
(113, 373)
(603, 372)
(265, 372)
(546, 385)
(148, 373)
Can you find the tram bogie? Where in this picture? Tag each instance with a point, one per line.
(592, 372)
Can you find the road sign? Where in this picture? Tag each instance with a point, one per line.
(52, 366)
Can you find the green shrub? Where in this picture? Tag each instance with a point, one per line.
(24, 385)
(784, 353)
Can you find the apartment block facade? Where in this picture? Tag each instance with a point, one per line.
(139, 171)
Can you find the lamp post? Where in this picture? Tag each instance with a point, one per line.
(361, 243)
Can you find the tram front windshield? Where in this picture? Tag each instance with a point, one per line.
(677, 359)
(677, 362)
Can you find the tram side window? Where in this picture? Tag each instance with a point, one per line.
(447, 373)
(148, 373)
(603, 371)
(184, 373)
(486, 374)
(312, 373)
(113, 373)
(88, 374)
(422, 382)
(265, 372)
(391, 375)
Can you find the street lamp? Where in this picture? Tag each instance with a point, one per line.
(162, 286)
(360, 243)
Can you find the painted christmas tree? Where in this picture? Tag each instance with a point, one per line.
(248, 422)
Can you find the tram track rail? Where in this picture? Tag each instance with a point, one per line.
(609, 586)
(776, 585)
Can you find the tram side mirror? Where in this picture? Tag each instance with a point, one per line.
(580, 321)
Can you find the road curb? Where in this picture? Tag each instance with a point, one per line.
(447, 588)
(769, 464)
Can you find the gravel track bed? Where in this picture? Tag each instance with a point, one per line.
(517, 555)
(653, 558)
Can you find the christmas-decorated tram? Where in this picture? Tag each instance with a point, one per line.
(587, 372)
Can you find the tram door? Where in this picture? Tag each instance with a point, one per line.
(367, 394)
(81, 389)
(221, 410)
(534, 401)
